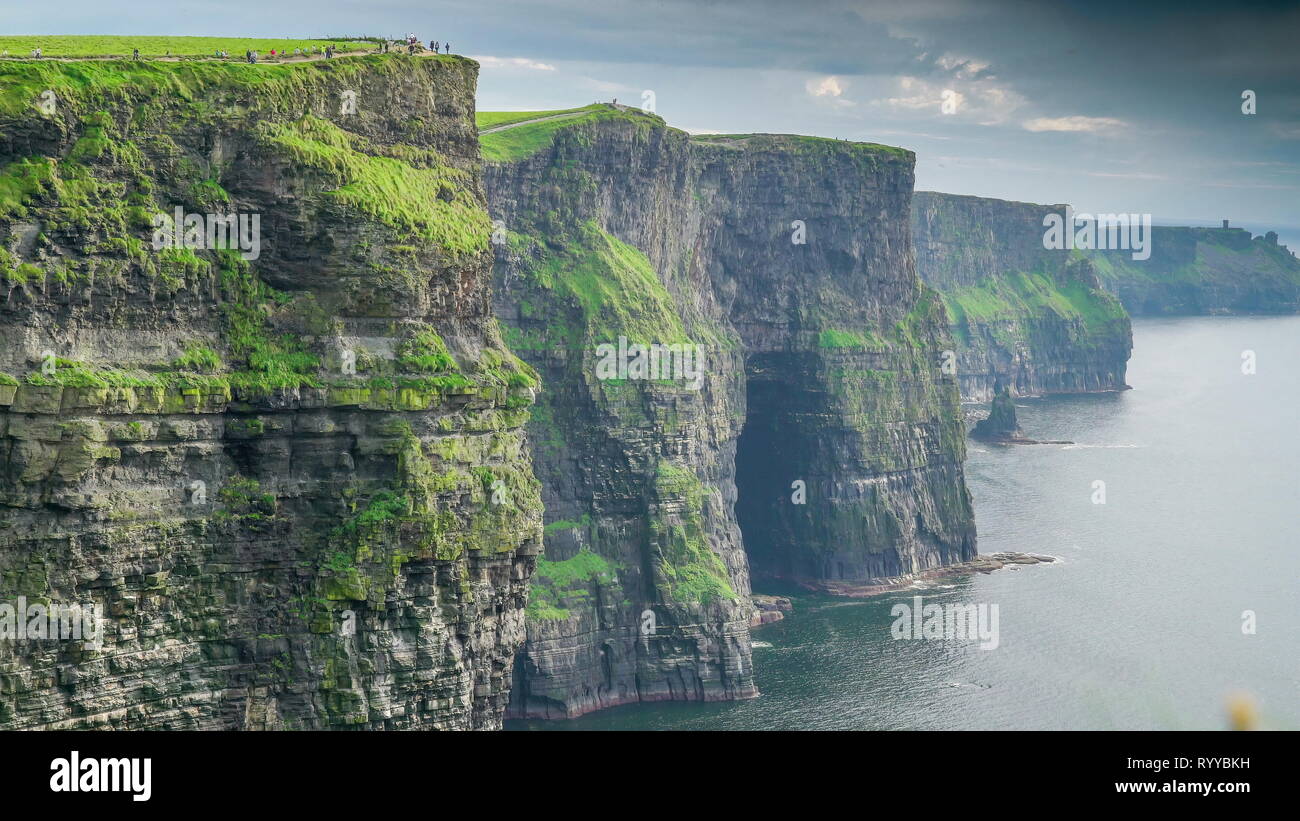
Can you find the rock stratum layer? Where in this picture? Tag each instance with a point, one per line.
(1204, 271)
(822, 427)
(1036, 320)
(295, 486)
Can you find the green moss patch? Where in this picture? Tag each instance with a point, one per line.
(411, 191)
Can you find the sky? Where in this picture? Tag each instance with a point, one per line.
(1112, 107)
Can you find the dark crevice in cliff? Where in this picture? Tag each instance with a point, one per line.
(763, 480)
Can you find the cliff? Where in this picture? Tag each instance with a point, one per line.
(1204, 271)
(820, 443)
(290, 472)
(1036, 320)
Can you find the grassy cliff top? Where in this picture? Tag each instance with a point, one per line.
(98, 45)
(799, 142)
(507, 136)
(496, 119)
(89, 85)
(939, 197)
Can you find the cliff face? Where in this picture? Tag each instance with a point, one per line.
(821, 427)
(1204, 271)
(642, 594)
(293, 480)
(1037, 320)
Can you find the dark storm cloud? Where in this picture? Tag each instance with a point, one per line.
(1114, 106)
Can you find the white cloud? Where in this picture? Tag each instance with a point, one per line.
(961, 67)
(827, 86)
(513, 62)
(829, 89)
(982, 101)
(1093, 125)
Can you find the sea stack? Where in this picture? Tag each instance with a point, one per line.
(1000, 426)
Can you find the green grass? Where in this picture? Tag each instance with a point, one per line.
(1021, 295)
(425, 352)
(559, 524)
(693, 571)
(491, 119)
(518, 143)
(804, 144)
(96, 45)
(86, 86)
(199, 358)
(866, 339)
(554, 582)
(411, 191)
(616, 288)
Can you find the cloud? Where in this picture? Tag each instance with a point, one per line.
(964, 68)
(829, 89)
(981, 100)
(824, 87)
(513, 62)
(1092, 125)
(915, 94)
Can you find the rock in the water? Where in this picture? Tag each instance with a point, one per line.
(1000, 425)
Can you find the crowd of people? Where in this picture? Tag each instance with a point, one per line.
(413, 45)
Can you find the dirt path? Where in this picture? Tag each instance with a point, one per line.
(261, 60)
(497, 128)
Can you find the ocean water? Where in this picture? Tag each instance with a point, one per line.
(1139, 624)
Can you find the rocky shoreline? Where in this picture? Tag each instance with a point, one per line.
(768, 609)
(980, 564)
